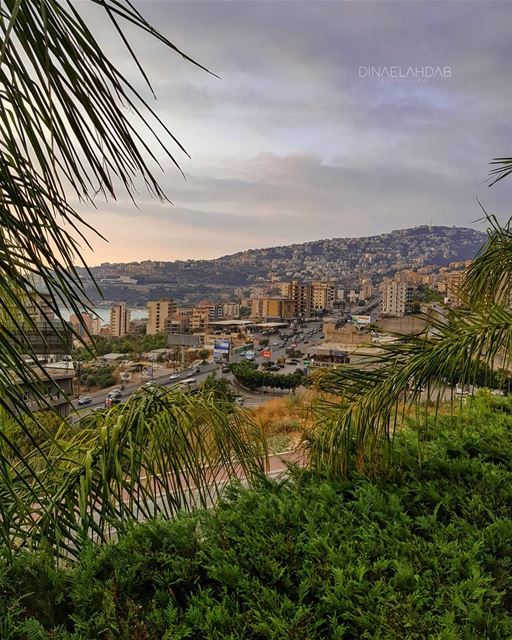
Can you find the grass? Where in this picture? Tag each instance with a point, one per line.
(288, 417)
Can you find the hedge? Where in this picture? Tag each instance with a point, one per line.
(422, 551)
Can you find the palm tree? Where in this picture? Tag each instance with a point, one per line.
(73, 126)
(457, 346)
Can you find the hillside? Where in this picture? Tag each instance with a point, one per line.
(345, 260)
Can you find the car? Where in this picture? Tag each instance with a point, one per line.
(84, 400)
(149, 383)
(239, 400)
(174, 376)
(189, 381)
(497, 392)
(115, 393)
(306, 341)
(196, 370)
(281, 366)
(274, 367)
(225, 369)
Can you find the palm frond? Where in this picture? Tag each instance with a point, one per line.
(70, 122)
(373, 400)
(154, 455)
(502, 169)
(489, 278)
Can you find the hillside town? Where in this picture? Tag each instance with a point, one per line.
(284, 324)
(344, 261)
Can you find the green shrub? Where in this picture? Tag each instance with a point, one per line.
(254, 379)
(422, 551)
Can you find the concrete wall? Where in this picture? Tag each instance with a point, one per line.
(405, 325)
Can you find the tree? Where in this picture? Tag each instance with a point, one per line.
(203, 354)
(73, 127)
(218, 388)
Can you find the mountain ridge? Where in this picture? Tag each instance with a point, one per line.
(344, 260)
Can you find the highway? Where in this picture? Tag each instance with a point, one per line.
(161, 377)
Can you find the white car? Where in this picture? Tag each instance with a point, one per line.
(174, 376)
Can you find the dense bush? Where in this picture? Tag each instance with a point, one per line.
(219, 388)
(97, 377)
(131, 344)
(254, 379)
(41, 426)
(424, 551)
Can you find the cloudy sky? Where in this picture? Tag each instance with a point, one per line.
(295, 141)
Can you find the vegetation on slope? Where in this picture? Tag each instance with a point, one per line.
(424, 550)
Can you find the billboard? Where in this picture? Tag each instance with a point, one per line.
(361, 319)
(221, 349)
(267, 353)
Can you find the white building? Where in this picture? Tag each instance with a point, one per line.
(395, 298)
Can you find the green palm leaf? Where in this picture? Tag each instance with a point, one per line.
(70, 123)
(156, 454)
(452, 349)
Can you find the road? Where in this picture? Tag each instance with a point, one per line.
(161, 377)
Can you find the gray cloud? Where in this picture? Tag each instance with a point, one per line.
(291, 144)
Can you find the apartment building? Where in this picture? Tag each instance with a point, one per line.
(273, 308)
(177, 324)
(119, 320)
(47, 335)
(96, 326)
(204, 313)
(81, 324)
(395, 298)
(39, 308)
(454, 281)
(366, 290)
(200, 318)
(323, 295)
(56, 385)
(231, 310)
(159, 311)
(301, 294)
